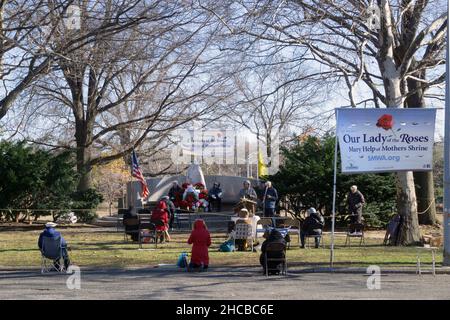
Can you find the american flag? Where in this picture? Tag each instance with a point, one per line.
(136, 172)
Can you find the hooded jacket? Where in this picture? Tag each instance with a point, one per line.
(160, 213)
(200, 240)
(313, 224)
(274, 236)
(50, 233)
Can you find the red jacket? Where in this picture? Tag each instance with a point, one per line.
(200, 240)
(160, 213)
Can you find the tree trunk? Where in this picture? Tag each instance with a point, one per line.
(407, 208)
(83, 157)
(425, 197)
(406, 193)
(424, 180)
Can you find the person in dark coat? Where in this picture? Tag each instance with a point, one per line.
(269, 200)
(355, 201)
(215, 197)
(200, 240)
(312, 226)
(274, 266)
(50, 232)
(170, 210)
(176, 194)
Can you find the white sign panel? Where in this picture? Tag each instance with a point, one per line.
(380, 140)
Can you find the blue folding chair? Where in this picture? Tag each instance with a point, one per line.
(51, 251)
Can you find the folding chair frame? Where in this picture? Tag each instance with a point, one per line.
(308, 237)
(249, 234)
(47, 264)
(283, 260)
(355, 226)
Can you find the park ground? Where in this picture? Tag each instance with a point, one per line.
(112, 268)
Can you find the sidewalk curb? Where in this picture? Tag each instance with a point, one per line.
(292, 270)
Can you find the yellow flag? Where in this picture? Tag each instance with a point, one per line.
(262, 168)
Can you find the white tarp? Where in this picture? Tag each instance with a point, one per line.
(379, 140)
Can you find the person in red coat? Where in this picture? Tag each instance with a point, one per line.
(200, 240)
(161, 213)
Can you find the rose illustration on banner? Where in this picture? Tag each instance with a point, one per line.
(386, 121)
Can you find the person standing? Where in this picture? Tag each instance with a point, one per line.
(200, 239)
(161, 214)
(170, 210)
(269, 200)
(355, 201)
(248, 192)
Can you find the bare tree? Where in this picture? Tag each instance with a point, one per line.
(274, 100)
(134, 85)
(408, 42)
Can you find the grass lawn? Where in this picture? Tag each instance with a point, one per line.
(91, 247)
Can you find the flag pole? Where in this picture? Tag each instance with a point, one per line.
(334, 194)
(446, 258)
(132, 202)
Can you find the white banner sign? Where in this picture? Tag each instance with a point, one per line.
(380, 140)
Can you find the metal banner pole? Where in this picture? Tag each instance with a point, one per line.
(334, 193)
(446, 260)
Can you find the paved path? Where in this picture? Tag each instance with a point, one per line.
(167, 282)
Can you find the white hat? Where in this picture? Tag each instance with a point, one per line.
(312, 210)
(50, 225)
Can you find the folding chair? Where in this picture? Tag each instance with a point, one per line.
(131, 227)
(271, 248)
(51, 251)
(314, 236)
(243, 231)
(355, 230)
(147, 230)
(294, 225)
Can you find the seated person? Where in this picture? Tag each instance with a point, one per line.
(131, 222)
(215, 197)
(176, 194)
(190, 197)
(273, 237)
(160, 213)
(50, 232)
(200, 240)
(248, 192)
(242, 244)
(312, 226)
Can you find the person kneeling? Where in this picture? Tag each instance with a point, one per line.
(312, 226)
(200, 240)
